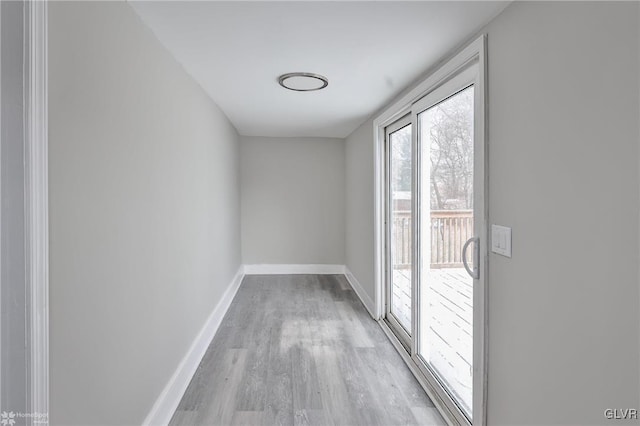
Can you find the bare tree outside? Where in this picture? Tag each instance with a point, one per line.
(401, 157)
(451, 135)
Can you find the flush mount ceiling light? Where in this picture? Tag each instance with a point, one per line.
(303, 81)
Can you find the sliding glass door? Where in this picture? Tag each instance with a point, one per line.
(434, 223)
(445, 138)
(399, 235)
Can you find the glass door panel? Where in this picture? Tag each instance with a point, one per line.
(446, 176)
(399, 226)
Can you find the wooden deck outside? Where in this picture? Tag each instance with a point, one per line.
(450, 229)
(447, 324)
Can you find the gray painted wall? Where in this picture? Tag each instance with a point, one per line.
(563, 153)
(144, 184)
(14, 321)
(359, 208)
(564, 310)
(292, 192)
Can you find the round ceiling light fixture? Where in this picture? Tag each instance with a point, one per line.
(303, 81)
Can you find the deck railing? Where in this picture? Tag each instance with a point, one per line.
(450, 229)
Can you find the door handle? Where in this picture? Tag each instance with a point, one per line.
(475, 272)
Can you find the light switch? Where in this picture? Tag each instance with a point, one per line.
(501, 240)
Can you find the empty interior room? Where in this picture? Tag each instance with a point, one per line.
(319, 213)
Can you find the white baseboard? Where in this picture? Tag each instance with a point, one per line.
(364, 297)
(168, 401)
(272, 269)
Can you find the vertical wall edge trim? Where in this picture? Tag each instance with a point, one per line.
(37, 203)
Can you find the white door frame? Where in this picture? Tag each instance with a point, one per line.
(475, 51)
(37, 202)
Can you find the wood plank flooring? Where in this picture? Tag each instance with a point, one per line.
(302, 350)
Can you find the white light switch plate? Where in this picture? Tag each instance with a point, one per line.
(501, 240)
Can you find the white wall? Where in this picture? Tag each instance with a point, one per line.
(292, 192)
(563, 160)
(144, 179)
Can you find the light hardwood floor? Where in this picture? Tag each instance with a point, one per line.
(302, 350)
